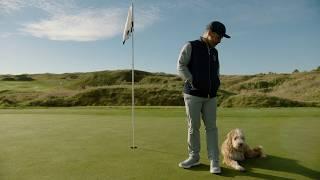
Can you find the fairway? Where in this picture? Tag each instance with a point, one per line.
(93, 143)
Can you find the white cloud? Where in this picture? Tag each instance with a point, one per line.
(89, 25)
(85, 26)
(68, 22)
(8, 6)
(51, 7)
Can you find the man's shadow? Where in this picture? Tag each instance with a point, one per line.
(273, 163)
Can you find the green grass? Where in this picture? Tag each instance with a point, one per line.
(104, 88)
(93, 143)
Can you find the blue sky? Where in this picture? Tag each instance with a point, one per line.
(39, 36)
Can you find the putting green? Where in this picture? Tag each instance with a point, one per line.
(93, 143)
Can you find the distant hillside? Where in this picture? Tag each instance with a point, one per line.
(113, 88)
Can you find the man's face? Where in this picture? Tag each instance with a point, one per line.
(214, 38)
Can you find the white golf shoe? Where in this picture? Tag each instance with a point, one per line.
(214, 167)
(190, 162)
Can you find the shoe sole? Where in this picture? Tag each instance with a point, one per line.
(187, 167)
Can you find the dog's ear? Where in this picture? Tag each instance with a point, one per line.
(229, 139)
(229, 135)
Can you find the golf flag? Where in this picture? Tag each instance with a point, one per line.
(128, 29)
(127, 32)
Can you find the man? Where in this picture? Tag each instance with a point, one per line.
(198, 65)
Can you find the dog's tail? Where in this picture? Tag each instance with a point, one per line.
(260, 148)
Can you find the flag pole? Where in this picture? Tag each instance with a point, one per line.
(132, 88)
(129, 30)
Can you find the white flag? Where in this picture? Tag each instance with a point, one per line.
(128, 29)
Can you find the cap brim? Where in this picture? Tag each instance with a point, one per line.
(226, 36)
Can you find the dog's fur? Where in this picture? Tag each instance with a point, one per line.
(234, 149)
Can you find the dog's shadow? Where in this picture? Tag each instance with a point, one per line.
(273, 163)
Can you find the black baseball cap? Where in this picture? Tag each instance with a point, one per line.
(218, 27)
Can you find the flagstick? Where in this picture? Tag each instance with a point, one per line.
(132, 105)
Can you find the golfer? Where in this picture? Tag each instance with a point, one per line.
(198, 65)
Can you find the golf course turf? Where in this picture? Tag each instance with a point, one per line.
(94, 143)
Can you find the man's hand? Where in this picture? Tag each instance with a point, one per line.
(190, 82)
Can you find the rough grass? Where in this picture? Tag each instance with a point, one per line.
(105, 78)
(93, 143)
(113, 96)
(261, 100)
(114, 88)
(301, 87)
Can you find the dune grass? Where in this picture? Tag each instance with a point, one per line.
(104, 88)
(93, 143)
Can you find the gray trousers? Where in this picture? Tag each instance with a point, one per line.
(195, 108)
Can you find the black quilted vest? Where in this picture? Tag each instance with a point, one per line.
(204, 67)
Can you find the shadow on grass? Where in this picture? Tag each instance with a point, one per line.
(233, 173)
(273, 163)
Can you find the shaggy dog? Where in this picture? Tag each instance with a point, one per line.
(234, 149)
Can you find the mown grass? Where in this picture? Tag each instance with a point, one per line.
(93, 143)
